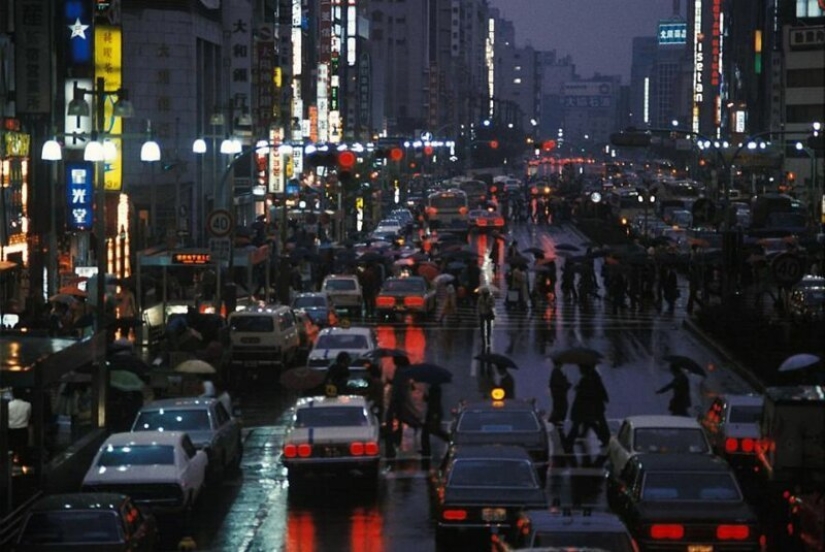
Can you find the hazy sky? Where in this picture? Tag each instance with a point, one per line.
(598, 34)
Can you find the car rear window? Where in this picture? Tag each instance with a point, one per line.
(340, 285)
(669, 440)
(137, 455)
(71, 527)
(589, 538)
(173, 420)
(678, 486)
(492, 473)
(745, 414)
(415, 285)
(342, 416)
(252, 324)
(341, 341)
(311, 301)
(497, 421)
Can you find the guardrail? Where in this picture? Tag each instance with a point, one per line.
(11, 524)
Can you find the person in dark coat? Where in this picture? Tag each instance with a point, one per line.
(338, 374)
(680, 385)
(589, 407)
(506, 383)
(432, 419)
(559, 385)
(670, 289)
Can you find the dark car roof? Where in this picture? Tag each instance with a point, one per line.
(179, 402)
(510, 404)
(80, 501)
(681, 461)
(490, 451)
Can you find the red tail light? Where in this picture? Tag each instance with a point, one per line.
(462, 211)
(384, 301)
(668, 531)
(414, 301)
(304, 450)
(454, 515)
(432, 211)
(356, 449)
(748, 445)
(290, 451)
(499, 222)
(731, 444)
(481, 222)
(732, 532)
(371, 449)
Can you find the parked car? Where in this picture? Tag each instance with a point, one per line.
(410, 294)
(354, 340)
(207, 422)
(345, 292)
(683, 502)
(332, 435)
(90, 522)
(318, 306)
(655, 434)
(162, 470)
(732, 425)
(479, 491)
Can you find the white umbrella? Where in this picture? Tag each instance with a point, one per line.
(799, 362)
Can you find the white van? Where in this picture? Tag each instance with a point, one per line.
(264, 337)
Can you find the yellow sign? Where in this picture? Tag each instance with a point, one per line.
(108, 47)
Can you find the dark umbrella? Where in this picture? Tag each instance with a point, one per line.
(455, 265)
(566, 247)
(384, 352)
(685, 363)
(428, 373)
(420, 257)
(517, 260)
(371, 257)
(302, 378)
(534, 251)
(498, 359)
(578, 355)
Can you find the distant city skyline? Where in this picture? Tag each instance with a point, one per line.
(597, 34)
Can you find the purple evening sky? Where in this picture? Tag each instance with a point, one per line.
(598, 34)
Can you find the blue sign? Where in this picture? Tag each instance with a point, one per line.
(77, 26)
(672, 33)
(80, 194)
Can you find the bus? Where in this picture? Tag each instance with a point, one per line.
(447, 211)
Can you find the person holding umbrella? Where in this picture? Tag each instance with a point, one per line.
(559, 385)
(506, 382)
(433, 415)
(589, 406)
(680, 385)
(485, 307)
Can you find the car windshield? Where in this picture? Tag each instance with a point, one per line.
(660, 439)
(414, 285)
(136, 455)
(193, 419)
(586, 538)
(678, 486)
(340, 285)
(493, 472)
(339, 416)
(496, 421)
(341, 341)
(745, 414)
(73, 527)
(310, 301)
(252, 324)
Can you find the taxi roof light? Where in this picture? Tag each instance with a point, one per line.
(497, 394)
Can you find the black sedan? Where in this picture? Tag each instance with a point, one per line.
(481, 491)
(503, 422)
(683, 502)
(86, 521)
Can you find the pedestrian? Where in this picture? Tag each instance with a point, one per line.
(448, 307)
(338, 374)
(375, 389)
(589, 406)
(519, 284)
(506, 383)
(670, 289)
(433, 416)
(485, 307)
(19, 416)
(680, 385)
(559, 386)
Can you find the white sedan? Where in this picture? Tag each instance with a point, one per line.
(332, 435)
(354, 340)
(162, 470)
(655, 434)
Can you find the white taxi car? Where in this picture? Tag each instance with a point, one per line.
(354, 340)
(655, 434)
(332, 435)
(344, 290)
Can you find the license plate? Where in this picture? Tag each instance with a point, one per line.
(494, 514)
(700, 548)
(331, 452)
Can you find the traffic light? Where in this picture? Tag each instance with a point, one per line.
(630, 139)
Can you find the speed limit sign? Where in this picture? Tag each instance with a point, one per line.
(788, 268)
(219, 223)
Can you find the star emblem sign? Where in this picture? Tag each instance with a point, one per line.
(78, 29)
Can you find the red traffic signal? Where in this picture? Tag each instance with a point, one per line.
(548, 145)
(493, 144)
(346, 160)
(396, 154)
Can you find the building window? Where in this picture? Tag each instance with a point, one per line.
(809, 8)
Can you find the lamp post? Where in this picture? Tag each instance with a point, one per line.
(809, 152)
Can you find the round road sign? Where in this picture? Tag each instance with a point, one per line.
(219, 223)
(787, 269)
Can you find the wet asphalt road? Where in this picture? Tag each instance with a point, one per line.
(257, 511)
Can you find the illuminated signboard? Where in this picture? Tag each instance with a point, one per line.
(108, 46)
(191, 258)
(672, 33)
(79, 194)
(77, 18)
(698, 64)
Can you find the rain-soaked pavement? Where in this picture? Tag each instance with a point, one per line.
(257, 511)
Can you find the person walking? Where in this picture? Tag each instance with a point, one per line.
(680, 385)
(485, 307)
(506, 383)
(589, 406)
(433, 416)
(559, 386)
(338, 374)
(670, 288)
(19, 416)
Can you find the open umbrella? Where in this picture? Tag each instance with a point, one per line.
(302, 378)
(493, 289)
(498, 359)
(443, 278)
(427, 270)
(533, 251)
(578, 355)
(74, 291)
(195, 366)
(685, 363)
(385, 352)
(799, 362)
(517, 260)
(456, 265)
(404, 262)
(62, 298)
(371, 257)
(125, 380)
(566, 247)
(428, 373)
